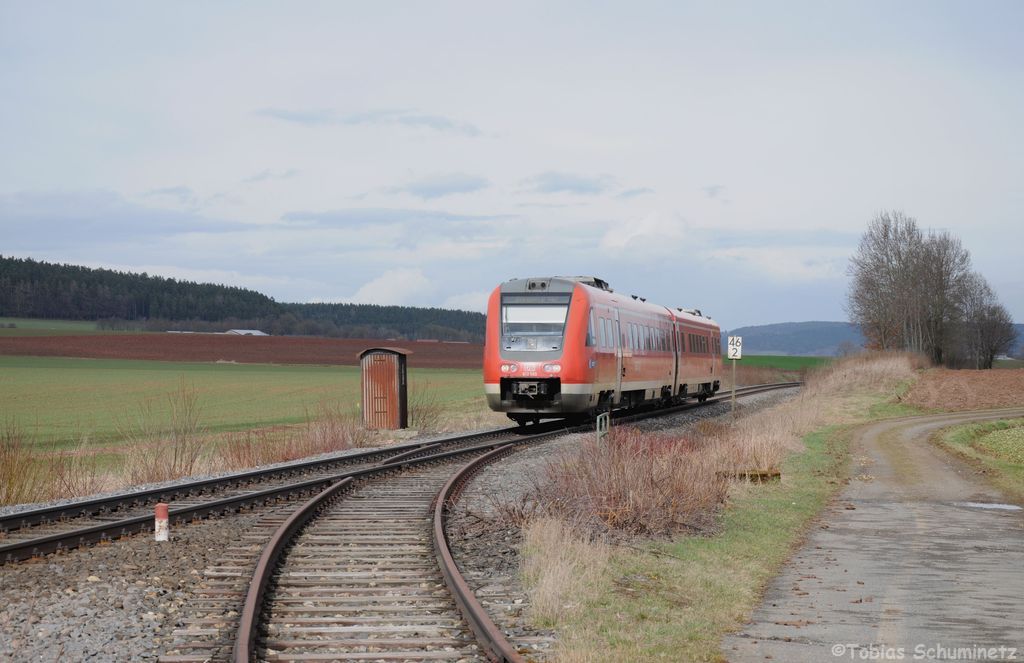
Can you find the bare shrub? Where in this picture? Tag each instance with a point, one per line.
(426, 412)
(158, 449)
(559, 568)
(21, 479)
(76, 472)
(333, 428)
(330, 427)
(633, 482)
(656, 483)
(251, 448)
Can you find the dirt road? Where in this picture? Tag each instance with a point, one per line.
(916, 558)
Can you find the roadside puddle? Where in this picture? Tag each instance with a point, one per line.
(988, 505)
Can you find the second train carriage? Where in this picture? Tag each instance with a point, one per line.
(570, 346)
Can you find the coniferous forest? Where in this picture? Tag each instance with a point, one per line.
(123, 300)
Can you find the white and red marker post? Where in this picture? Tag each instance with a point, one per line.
(162, 526)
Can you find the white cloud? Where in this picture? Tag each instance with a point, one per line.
(403, 286)
(781, 263)
(656, 234)
(468, 301)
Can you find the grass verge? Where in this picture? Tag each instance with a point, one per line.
(674, 599)
(995, 447)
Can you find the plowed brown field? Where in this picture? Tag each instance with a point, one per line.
(243, 349)
(944, 389)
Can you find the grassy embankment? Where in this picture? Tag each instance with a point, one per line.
(674, 598)
(996, 447)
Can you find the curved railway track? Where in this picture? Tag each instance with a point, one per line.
(363, 572)
(360, 572)
(53, 529)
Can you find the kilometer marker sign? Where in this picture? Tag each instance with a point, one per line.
(735, 347)
(735, 351)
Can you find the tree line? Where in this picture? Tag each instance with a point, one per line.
(916, 290)
(128, 301)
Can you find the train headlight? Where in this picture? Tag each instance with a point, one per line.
(504, 368)
(552, 368)
(509, 368)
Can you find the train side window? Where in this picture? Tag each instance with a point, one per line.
(600, 333)
(590, 330)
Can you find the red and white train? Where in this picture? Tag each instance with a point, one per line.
(569, 346)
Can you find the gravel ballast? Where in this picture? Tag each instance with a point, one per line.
(123, 600)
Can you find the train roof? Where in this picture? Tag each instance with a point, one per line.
(563, 284)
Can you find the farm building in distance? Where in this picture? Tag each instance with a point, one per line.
(246, 332)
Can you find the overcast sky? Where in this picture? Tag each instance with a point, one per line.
(719, 155)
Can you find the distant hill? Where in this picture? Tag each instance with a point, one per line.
(798, 338)
(823, 339)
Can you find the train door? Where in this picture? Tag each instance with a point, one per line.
(676, 377)
(618, 358)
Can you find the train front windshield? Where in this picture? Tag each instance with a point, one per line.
(529, 325)
(524, 319)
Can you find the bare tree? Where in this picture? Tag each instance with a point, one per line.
(915, 291)
(883, 275)
(987, 329)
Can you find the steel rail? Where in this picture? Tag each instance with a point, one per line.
(245, 644)
(21, 550)
(29, 548)
(488, 635)
(245, 641)
(99, 505)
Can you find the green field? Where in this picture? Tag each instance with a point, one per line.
(61, 400)
(997, 447)
(1008, 363)
(38, 327)
(781, 362)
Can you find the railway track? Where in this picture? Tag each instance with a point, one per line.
(360, 572)
(53, 529)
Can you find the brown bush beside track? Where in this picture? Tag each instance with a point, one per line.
(242, 349)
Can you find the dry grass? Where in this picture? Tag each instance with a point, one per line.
(158, 450)
(751, 375)
(559, 569)
(330, 428)
(676, 604)
(426, 411)
(632, 482)
(20, 477)
(77, 472)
